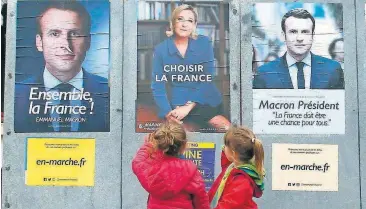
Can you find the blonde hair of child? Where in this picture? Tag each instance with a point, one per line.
(174, 18)
(169, 138)
(243, 141)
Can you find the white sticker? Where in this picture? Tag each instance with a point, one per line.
(305, 167)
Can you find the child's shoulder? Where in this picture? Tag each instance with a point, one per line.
(185, 162)
(240, 174)
(182, 165)
(184, 169)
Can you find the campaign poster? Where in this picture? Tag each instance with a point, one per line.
(305, 167)
(203, 155)
(298, 65)
(60, 162)
(183, 70)
(62, 67)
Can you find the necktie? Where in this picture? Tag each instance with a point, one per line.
(300, 75)
(64, 126)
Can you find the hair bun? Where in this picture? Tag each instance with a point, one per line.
(169, 138)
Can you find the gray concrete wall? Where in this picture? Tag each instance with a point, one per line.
(361, 73)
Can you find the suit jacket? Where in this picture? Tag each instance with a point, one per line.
(96, 122)
(325, 74)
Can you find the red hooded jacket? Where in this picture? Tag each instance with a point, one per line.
(239, 189)
(172, 183)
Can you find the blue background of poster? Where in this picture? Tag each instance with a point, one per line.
(97, 58)
(207, 167)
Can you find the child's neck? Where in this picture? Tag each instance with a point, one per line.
(237, 162)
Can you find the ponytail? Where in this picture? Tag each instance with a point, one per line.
(258, 156)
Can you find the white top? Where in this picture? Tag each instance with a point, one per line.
(291, 63)
(50, 82)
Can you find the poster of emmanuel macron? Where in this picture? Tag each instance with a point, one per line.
(299, 67)
(62, 67)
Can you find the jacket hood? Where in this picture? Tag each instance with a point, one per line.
(169, 175)
(252, 173)
(257, 192)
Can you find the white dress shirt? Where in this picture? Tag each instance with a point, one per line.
(291, 63)
(50, 82)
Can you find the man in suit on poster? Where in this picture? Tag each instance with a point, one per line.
(64, 97)
(299, 68)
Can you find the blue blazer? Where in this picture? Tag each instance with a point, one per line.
(97, 122)
(325, 74)
(199, 52)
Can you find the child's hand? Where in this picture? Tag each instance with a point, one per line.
(225, 160)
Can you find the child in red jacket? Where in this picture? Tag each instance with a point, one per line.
(172, 183)
(242, 171)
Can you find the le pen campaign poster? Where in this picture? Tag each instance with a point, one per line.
(62, 67)
(60, 162)
(298, 64)
(203, 155)
(183, 72)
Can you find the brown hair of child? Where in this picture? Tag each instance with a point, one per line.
(243, 141)
(170, 138)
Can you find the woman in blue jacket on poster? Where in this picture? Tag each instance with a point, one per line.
(182, 77)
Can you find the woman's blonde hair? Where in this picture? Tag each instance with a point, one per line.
(174, 17)
(169, 138)
(248, 147)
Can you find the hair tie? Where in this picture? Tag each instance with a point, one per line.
(253, 140)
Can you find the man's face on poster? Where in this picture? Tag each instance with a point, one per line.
(298, 35)
(64, 40)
